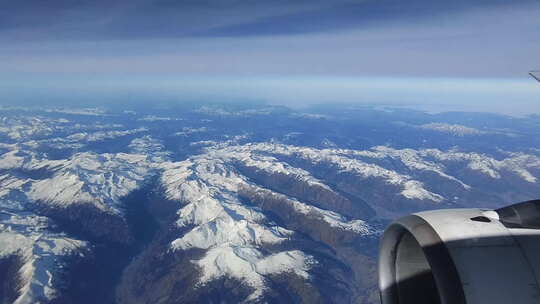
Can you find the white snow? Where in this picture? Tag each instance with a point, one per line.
(331, 218)
(42, 253)
(152, 118)
(81, 111)
(229, 230)
(102, 135)
(454, 129)
(86, 177)
(415, 190)
(9, 184)
(433, 160)
(518, 164)
(99, 179)
(250, 266)
(216, 111)
(344, 161)
(23, 127)
(232, 232)
(12, 159)
(190, 130)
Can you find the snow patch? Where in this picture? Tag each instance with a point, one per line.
(250, 266)
(453, 129)
(42, 252)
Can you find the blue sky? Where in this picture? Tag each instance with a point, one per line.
(463, 53)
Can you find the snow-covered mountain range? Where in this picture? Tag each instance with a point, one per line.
(212, 205)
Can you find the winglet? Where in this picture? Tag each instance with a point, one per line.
(535, 75)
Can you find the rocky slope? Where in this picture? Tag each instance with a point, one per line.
(252, 213)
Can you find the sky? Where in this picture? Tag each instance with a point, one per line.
(459, 54)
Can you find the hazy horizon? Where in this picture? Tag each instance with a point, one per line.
(516, 97)
(457, 55)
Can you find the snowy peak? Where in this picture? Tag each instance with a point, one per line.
(453, 129)
(100, 179)
(213, 188)
(42, 254)
(86, 177)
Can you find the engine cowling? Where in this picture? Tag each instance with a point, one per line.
(455, 256)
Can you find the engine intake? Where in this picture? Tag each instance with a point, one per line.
(455, 256)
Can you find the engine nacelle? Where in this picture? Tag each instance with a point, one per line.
(456, 256)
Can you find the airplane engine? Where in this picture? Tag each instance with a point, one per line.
(456, 256)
